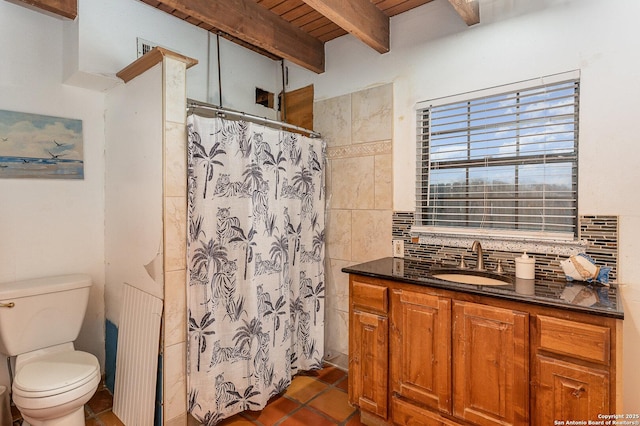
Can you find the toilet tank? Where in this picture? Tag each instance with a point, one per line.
(42, 312)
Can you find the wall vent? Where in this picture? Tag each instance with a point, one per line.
(264, 98)
(144, 46)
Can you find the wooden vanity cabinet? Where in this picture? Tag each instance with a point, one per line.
(368, 347)
(490, 364)
(420, 344)
(460, 359)
(571, 370)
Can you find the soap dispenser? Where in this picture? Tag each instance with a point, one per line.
(526, 267)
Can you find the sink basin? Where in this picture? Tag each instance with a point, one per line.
(471, 277)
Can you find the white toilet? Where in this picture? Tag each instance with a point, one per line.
(39, 320)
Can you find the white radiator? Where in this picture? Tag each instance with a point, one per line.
(137, 357)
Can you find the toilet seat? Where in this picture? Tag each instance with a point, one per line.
(55, 378)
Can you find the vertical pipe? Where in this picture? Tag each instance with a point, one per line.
(283, 113)
(219, 73)
(209, 67)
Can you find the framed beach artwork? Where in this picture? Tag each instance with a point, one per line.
(40, 146)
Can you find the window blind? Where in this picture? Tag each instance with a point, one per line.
(504, 161)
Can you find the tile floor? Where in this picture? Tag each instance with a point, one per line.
(315, 398)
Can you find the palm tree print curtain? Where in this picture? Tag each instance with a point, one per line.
(255, 263)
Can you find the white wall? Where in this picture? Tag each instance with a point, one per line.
(134, 189)
(50, 227)
(107, 32)
(243, 70)
(434, 54)
(102, 41)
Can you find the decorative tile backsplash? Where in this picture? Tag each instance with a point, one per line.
(601, 233)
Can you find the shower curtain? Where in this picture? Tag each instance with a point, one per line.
(255, 294)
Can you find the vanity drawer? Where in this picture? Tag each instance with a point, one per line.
(585, 341)
(406, 413)
(370, 296)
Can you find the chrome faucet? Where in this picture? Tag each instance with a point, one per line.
(478, 249)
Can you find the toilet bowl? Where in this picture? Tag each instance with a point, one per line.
(39, 320)
(51, 387)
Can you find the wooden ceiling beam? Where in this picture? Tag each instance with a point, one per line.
(246, 20)
(361, 18)
(469, 10)
(64, 8)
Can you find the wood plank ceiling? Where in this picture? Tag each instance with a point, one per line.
(296, 30)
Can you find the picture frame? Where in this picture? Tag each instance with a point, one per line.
(40, 146)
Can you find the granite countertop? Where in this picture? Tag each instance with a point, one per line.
(576, 296)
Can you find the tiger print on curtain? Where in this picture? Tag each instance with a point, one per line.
(255, 296)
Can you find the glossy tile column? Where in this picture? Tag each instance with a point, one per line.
(175, 237)
(358, 129)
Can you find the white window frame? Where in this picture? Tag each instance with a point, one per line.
(423, 140)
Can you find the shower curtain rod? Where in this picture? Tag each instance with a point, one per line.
(193, 105)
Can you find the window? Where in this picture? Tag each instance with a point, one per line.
(502, 160)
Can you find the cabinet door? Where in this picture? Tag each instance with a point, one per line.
(421, 348)
(569, 391)
(368, 362)
(490, 364)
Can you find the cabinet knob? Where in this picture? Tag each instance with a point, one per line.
(578, 392)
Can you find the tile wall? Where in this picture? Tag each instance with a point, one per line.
(358, 129)
(175, 238)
